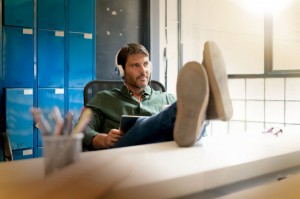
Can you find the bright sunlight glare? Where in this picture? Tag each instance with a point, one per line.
(266, 6)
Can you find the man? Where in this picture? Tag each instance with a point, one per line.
(182, 121)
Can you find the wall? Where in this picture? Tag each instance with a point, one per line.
(259, 104)
(260, 100)
(119, 22)
(164, 42)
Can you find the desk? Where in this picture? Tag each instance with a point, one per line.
(284, 189)
(160, 170)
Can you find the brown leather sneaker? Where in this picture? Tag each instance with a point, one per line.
(220, 105)
(192, 100)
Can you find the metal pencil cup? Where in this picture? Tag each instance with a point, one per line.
(61, 151)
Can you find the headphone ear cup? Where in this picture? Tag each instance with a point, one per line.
(119, 67)
(121, 71)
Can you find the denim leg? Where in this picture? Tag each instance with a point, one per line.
(153, 129)
(203, 130)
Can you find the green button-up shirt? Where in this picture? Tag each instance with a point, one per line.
(109, 106)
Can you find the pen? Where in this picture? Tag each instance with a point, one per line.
(42, 123)
(83, 121)
(68, 124)
(59, 123)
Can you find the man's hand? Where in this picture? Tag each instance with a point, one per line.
(112, 137)
(103, 140)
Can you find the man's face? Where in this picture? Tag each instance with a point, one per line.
(137, 71)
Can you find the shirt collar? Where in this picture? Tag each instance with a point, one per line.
(147, 90)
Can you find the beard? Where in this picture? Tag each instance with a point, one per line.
(140, 81)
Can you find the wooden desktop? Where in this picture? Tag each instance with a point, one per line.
(213, 168)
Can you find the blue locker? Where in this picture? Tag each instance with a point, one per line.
(81, 59)
(1, 91)
(22, 154)
(40, 152)
(18, 12)
(18, 57)
(82, 16)
(51, 14)
(51, 58)
(76, 102)
(19, 121)
(47, 99)
(1, 98)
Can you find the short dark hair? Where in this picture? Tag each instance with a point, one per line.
(130, 49)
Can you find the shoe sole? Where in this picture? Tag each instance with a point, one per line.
(192, 101)
(220, 105)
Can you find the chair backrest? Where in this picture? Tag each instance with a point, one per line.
(94, 86)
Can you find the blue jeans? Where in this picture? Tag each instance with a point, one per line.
(153, 129)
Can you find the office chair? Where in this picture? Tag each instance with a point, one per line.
(94, 86)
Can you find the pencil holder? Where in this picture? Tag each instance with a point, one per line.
(61, 151)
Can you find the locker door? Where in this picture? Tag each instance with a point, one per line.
(18, 57)
(51, 58)
(18, 13)
(40, 152)
(81, 59)
(19, 121)
(22, 154)
(51, 14)
(1, 90)
(47, 99)
(82, 16)
(76, 102)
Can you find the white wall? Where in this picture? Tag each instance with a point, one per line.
(240, 36)
(164, 41)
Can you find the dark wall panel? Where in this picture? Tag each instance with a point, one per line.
(2, 123)
(119, 22)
